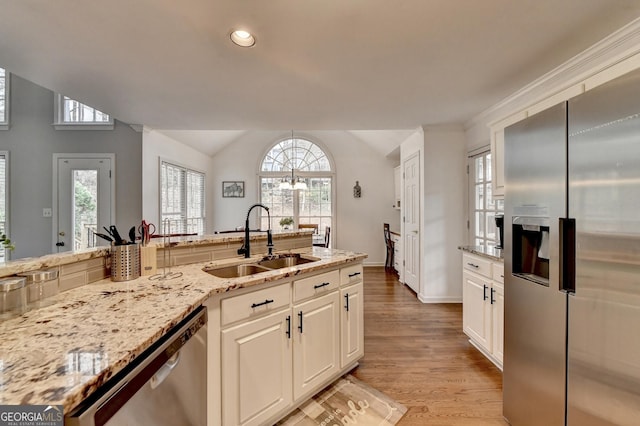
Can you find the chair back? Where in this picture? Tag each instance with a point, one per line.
(327, 236)
(387, 235)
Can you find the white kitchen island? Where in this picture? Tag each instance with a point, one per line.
(108, 324)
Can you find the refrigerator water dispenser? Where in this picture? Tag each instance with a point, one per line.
(530, 253)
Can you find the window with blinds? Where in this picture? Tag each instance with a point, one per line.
(4, 95)
(182, 199)
(3, 199)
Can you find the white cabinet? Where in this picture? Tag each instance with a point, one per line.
(281, 344)
(397, 253)
(497, 312)
(476, 314)
(397, 182)
(497, 152)
(351, 324)
(483, 305)
(263, 381)
(316, 346)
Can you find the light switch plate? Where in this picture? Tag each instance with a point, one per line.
(46, 212)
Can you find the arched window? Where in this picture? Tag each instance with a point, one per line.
(309, 164)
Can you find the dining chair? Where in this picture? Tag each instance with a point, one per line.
(327, 238)
(388, 263)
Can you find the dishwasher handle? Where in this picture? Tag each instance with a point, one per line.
(164, 371)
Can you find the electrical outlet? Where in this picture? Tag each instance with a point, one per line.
(46, 212)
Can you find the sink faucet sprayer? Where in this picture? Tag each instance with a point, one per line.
(246, 248)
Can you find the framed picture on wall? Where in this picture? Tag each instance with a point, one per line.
(233, 189)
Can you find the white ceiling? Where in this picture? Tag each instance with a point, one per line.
(360, 65)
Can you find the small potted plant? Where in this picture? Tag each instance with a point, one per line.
(285, 222)
(5, 243)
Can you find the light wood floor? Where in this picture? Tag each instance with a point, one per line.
(417, 354)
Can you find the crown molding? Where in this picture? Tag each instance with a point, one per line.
(613, 49)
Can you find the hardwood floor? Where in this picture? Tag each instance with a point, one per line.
(417, 354)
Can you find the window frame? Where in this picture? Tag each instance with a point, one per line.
(485, 239)
(60, 124)
(303, 174)
(4, 123)
(184, 200)
(4, 255)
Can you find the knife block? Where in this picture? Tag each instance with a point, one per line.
(148, 260)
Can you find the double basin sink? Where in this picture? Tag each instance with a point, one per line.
(265, 265)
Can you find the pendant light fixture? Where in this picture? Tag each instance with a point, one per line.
(294, 183)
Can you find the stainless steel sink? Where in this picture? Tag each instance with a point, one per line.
(265, 265)
(285, 261)
(237, 270)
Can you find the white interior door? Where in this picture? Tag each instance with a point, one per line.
(83, 200)
(411, 212)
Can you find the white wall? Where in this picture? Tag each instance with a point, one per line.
(358, 225)
(156, 146)
(443, 178)
(445, 184)
(31, 141)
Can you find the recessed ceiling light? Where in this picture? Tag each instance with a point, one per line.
(242, 38)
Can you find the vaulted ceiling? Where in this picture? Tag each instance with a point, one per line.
(317, 65)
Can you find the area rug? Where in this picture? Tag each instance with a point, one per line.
(348, 401)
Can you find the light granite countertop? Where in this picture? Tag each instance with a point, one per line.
(62, 353)
(17, 266)
(488, 252)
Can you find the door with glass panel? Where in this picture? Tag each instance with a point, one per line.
(83, 201)
(483, 206)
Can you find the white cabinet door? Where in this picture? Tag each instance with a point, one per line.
(476, 313)
(351, 324)
(497, 152)
(497, 323)
(316, 354)
(256, 377)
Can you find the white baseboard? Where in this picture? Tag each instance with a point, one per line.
(445, 299)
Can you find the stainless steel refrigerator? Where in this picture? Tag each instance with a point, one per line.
(572, 261)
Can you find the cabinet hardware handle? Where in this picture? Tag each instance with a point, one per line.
(289, 326)
(473, 265)
(354, 274)
(484, 292)
(300, 326)
(492, 299)
(266, 302)
(501, 275)
(317, 286)
(346, 301)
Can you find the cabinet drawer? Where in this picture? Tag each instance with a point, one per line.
(316, 285)
(477, 265)
(498, 272)
(351, 274)
(255, 303)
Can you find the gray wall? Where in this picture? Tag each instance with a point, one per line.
(31, 141)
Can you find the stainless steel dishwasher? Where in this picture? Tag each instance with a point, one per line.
(166, 385)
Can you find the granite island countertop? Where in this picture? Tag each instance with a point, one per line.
(62, 353)
(17, 266)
